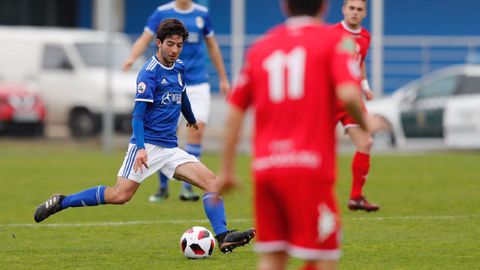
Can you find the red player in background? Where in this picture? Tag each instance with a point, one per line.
(354, 11)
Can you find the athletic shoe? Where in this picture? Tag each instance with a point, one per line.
(232, 239)
(361, 203)
(188, 195)
(48, 208)
(162, 194)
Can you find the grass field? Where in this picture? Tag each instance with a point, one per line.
(430, 216)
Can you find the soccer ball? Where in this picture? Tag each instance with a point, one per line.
(197, 242)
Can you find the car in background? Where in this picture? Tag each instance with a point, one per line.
(69, 67)
(439, 109)
(22, 112)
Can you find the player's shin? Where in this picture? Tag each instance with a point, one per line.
(89, 197)
(360, 168)
(215, 211)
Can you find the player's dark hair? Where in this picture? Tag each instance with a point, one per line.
(304, 7)
(170, 27)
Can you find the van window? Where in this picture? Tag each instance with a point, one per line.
(470, 85)
(439, 88)
(95, 54)
(55, 58)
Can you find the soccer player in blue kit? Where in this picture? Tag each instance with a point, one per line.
(196, 19)
(160, 97)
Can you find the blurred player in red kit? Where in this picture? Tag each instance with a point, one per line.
(292, 79)
(354, 11)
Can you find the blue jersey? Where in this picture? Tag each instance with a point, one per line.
(161, 87)
(199, 26)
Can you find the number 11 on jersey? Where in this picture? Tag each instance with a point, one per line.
(294, 64)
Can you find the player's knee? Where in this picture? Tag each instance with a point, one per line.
(211, 184)
(121, 197)
(366, 144)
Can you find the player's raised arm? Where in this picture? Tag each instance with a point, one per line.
(139, 48)
(217, 60)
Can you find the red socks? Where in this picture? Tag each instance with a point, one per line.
(360, 168)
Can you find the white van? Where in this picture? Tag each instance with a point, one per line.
(68, 67)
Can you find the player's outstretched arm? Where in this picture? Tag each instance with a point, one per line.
(233, 129)
(139, 48)
(217, 60)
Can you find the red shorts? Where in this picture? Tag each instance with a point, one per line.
(296, 212)
(344, 117)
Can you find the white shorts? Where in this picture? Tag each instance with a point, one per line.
(199, 96)
(159, 158)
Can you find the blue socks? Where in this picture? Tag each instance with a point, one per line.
(215, 211)
(89, 197)
(163, 180)
(192, 149)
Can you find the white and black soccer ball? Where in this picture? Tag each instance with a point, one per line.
(197, 242)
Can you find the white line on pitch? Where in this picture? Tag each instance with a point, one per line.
(240, 220)
(415, 217)
(121, 223)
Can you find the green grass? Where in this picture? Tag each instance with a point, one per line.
(430, 216)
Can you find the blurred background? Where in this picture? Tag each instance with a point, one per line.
(60, 76)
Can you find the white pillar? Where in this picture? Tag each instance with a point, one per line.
(102, 8)
(377, 46)
(106, 22)
(237, 36)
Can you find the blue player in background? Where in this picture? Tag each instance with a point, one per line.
(196, 19)
(160, 97)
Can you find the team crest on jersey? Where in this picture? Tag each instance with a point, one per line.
(199, 21)
(141, 86)
(180, 82)
(347, 45)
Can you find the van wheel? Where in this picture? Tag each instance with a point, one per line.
(83, 124)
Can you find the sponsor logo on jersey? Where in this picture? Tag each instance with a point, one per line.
(293, 159)
(164, 81)
(193, 37)
(171, 98)
(354, 68)
(199, 21)
(141, 87)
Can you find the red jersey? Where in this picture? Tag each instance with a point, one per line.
(361, 36)
(289, 78)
